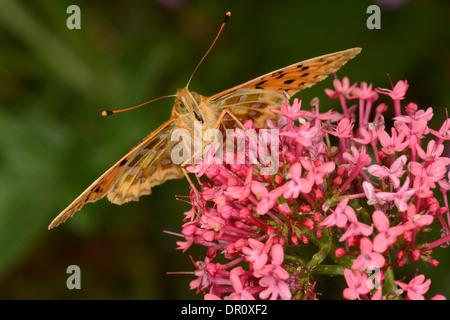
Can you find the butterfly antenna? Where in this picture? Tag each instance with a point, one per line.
(109, 112)
(227, 17)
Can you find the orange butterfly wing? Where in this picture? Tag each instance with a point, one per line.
(145, 166)
(296, 77)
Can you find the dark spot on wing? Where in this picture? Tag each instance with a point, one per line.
(305, 74)
(152, 144)
(134, 162)
(96, 189)
(166, 162)
(253, 113)
(151, 170)
(289, 81)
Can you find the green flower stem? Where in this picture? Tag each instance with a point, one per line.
(326, 247)
(388, 285)
(326, 269)
(324, 244)
(295, 259)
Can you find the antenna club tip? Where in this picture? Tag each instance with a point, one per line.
(106, 113)
(227, 16)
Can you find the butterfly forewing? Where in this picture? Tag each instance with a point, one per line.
(133, 175)
(296, 77)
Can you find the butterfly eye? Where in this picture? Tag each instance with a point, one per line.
(180, 106)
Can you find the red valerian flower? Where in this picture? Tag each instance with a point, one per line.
(394, 143)
(393, 173)
(368, 258)
(332, 207)
(387, 235)
(400, 197)
(399, 91)
(416, 288)
(357, 284)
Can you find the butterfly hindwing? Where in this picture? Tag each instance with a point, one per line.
(254, 104)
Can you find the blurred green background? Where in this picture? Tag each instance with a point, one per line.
(54, 82)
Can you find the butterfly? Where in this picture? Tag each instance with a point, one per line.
(149, 163)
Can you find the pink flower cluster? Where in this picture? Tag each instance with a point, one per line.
(356, 191)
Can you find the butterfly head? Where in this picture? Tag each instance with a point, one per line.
(187, 105)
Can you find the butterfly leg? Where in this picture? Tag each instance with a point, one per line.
(183, 168)
(193, 186)
(222, 115)
(239, 123)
